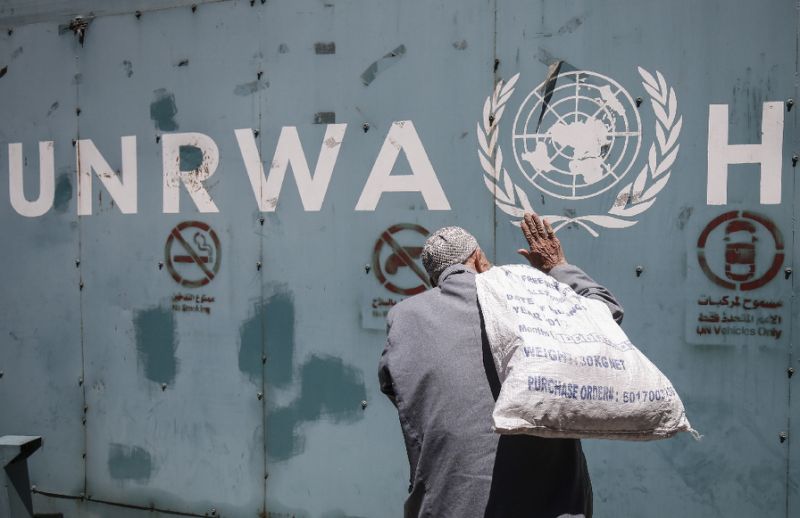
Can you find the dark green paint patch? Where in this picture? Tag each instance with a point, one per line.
(325, 118)
(63, 192)
(283, 441)
(191, 157)
(279, 328)
(372, 71)
(156, 343)
(272, 324)
(250, 344)
(129, 463)
(329, 390)
(163, 110)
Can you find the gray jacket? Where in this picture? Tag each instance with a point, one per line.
(438, 371)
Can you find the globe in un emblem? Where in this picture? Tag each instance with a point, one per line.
(579, 139)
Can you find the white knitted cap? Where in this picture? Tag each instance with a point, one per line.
(446, 247)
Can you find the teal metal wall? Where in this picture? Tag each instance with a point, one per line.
(251, 388)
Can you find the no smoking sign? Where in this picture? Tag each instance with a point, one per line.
(192, 254)
(394, 259)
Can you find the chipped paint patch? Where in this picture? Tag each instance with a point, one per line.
(53, 107)
(163, 110)
(372, 71)
(325, 118)
(283, 48)
(156, 343)
(3, 71)
(460, 45)
(63, 192)
(127, 66)
(129, 463)
(325, 47)
(330, 390)
(250, 88)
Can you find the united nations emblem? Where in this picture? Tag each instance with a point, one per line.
(576, 136)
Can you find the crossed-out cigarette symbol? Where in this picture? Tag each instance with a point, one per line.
(201, 253)
(401, 256)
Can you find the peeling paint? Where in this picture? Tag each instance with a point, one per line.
(128, 67)
(250, 88)
(372, 71)
(156, 343)
(129, 463)
(460, 45)
(163, 110)
(3, 71)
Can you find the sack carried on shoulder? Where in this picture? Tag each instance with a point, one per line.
(567, 369)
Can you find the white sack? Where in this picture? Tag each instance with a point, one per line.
(567, 369)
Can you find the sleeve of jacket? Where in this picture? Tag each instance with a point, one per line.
(587, 287)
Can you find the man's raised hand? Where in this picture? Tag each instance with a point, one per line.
(544, 249)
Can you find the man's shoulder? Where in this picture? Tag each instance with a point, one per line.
(414, 304)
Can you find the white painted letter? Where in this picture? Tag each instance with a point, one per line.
(402, 135)
(289, 151)
(16, 191)
(122, 191)
(767, 154)
(192, 179)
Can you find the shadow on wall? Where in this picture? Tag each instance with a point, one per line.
(328, 388)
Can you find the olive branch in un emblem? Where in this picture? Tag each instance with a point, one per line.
(631, 201)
